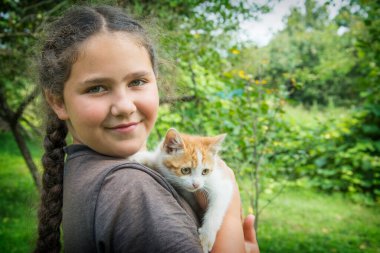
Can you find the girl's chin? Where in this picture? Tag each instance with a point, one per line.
(121, 151)
(131, 149)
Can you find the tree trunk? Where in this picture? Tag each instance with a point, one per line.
(12, 119)
(26, 154)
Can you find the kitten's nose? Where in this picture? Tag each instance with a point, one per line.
(195, 185)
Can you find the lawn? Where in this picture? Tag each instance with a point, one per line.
(18, 200)
(302, 220)
(299, 220)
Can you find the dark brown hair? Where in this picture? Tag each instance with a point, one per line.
(59, 52)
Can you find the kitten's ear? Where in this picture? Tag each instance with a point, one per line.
(173, 142)
(216, 143)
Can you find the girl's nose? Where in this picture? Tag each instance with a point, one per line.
(122, 105)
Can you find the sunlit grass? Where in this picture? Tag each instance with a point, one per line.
(18, 200)
(18, 205)
(301, 220)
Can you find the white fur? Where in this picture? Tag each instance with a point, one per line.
(219, 192)
(218, 187)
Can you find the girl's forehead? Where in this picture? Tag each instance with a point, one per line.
(110, 54)
(106, 38)
(111, 45)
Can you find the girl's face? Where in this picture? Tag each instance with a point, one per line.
(111, 97)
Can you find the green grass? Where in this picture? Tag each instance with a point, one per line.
(299, 220)
(18, 200)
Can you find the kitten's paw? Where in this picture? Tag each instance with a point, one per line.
(207, 239)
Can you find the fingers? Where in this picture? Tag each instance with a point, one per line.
(251, 245)
(248, 229)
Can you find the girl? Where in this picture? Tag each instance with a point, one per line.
(98, 76)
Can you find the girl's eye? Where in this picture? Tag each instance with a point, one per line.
(205, 171)
(96, 89)
(136, 83)
(186, 171)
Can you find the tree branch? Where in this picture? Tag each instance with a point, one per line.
(5, 112)
(25, 103)
(193, 80)
(35, 129)
(178, 99)
(272, 199)
(16, 34)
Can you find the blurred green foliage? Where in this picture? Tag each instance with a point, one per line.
(210, 82)
(303, 110)
(335, 153)
(244, 89)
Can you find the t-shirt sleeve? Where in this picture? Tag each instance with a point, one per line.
(134, 213)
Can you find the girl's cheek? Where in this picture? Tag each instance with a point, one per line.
(150, 106)
(149, 109)
(95, 113)
(155, 110)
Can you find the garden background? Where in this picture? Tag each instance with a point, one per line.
(302, 113)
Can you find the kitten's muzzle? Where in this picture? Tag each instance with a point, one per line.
(195, 185)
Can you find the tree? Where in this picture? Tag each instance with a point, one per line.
(315, 60)
(337, 155)
(20, 25)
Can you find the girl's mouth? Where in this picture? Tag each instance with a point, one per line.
(125, 128)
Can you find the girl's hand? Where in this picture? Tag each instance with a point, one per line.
(201, 199)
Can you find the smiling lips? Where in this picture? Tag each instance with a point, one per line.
(125, 128)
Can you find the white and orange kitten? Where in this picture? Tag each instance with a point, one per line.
(190, 163)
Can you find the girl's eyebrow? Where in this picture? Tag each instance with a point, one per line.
(130, 76)
(137, 75)
(98, 80)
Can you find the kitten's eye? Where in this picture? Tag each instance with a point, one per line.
(205, 171)
(136, 83)
(186, 171)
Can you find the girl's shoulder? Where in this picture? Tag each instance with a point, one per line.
(88, 173)
(87, 165)
(110, 197)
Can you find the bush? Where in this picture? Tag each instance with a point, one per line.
(337, 154)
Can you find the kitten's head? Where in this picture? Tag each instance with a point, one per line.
(189, 160)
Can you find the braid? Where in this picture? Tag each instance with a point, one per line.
(50, 213)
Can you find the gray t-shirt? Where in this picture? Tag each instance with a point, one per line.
(111, 205)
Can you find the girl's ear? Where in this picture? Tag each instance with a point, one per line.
(57, 105)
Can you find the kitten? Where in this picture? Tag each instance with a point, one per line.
(190, 164)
